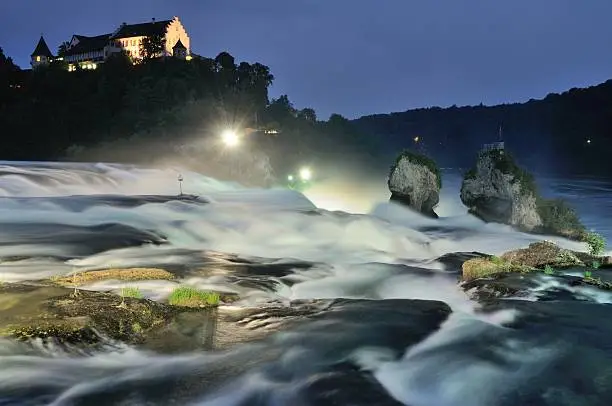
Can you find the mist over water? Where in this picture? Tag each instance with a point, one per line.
(65, 217)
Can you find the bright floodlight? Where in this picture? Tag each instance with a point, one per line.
(230, 138)
(305, 174)
(290, 178)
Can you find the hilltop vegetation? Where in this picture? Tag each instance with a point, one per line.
(551, 134)
(50, 110)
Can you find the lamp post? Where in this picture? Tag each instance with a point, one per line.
(180, 181)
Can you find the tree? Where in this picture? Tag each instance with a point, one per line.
(152, 46)
(63, 48)
(226, 62)
(281, 110)
(308, 114)
(8, 77)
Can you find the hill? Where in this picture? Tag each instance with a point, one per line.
(562, 133)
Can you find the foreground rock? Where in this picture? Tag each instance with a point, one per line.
(498, 190)
(415, 181)
(50, 312)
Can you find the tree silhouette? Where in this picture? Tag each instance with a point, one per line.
(152, 47)
(63, 48)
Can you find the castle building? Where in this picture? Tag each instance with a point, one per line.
(86, 52)
(42, 55)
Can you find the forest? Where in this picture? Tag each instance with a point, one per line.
(568, 133)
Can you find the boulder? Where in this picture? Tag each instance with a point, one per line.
(498, 190)
(415, 181)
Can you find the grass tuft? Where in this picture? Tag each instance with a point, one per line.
(548, 270)
(133, 292)
(191, 297)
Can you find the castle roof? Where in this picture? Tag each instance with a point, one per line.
(141, 30)
(179, 45)
(42, 49)
(88, 44)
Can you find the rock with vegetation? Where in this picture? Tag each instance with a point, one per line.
(538, 256)
(415, 181)
(545, 253)
(78, 316)
(476, 268)
(498, 190)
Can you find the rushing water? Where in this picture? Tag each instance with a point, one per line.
(277, 249)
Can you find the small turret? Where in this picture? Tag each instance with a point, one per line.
(179, 50)
(42, 55)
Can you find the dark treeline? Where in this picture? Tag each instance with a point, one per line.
(48, 111)
(549, 135)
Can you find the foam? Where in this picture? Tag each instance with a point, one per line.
(372, 255)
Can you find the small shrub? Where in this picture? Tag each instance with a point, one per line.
(497, 260)
(558, 216)
(133, 292)
(548, 270)
(587, 274)
(596, 243)
(595, 264)
(192, 297)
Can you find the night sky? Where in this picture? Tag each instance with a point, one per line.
(359, 57)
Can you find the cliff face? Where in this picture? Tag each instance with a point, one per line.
(414, 181)
(496, 193)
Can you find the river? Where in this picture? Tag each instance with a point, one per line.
(364, 341)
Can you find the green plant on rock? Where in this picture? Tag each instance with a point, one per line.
(421, 160)
(497, 260)
(596, 243)
(191, 297)
(548, 270)
(587, 274)
(558, 216)
(131, 291)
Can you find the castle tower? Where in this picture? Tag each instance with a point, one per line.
(41, 56)
(179, 50)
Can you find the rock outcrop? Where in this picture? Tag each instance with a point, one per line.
(415, 181)
(499, 191)
(536, 257)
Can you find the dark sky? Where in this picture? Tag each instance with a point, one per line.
(360, 57)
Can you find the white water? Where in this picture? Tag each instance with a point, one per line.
(356, 254)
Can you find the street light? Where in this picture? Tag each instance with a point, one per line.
(230, 138)
(305, 174)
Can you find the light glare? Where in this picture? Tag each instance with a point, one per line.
(305, 174)
(230, 138)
